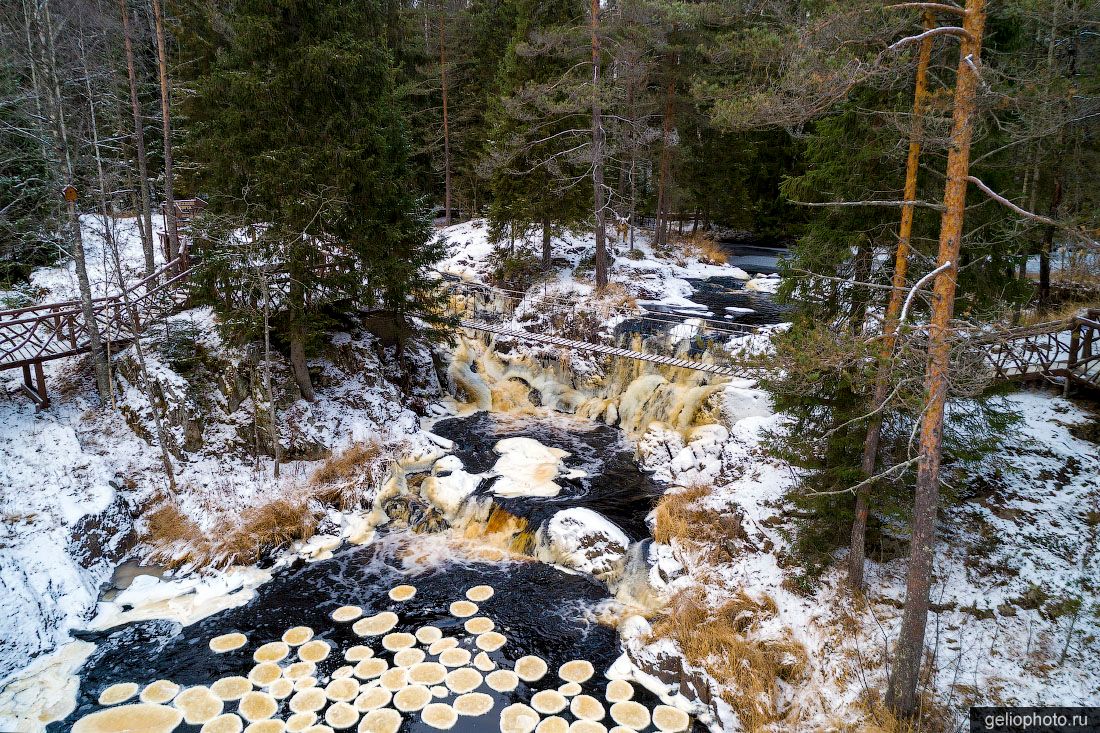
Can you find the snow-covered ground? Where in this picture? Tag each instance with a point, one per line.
(1015, 554)
(1015, 617)
(651, 279)
(73, 477)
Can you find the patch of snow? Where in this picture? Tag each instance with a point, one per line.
(582, 539)
(526, 467)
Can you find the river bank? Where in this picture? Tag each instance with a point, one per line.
(637, 506)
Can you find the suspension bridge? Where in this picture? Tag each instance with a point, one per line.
(555, 320)
(34, 335)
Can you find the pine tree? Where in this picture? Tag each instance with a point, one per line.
(537, 177)
(296, 129)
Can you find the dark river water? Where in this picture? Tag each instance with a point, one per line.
(542, 610)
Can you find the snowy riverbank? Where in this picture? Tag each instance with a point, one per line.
(1013, 621)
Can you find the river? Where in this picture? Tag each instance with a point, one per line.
(541, 610)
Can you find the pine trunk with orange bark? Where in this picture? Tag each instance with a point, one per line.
(901, 694)
(857, 548)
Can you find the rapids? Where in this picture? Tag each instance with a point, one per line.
(500, 541)
(546, 507)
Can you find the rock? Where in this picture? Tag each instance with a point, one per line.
(584, 540)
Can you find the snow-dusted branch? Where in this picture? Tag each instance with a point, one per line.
(934, 7)
(896, 468)
(916, 288)
(872, 202)
(1005, 202)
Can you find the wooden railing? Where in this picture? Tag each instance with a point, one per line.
(1069, 349)
(34, 335)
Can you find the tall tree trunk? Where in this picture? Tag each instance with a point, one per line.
(446, 127)
(901, 694)
(145, 214)
(297, 338)
(276, 446)
(598, 153)
(546, 244)
(631, 105)
(35, 83)
(171, 226)
(856, 550)
(1048, 240)
(95, 343)
(1056, 194)
(135, 317)
(663, 169)
(108, 230)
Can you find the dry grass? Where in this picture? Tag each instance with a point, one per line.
(704, 248)
(346, 480)
(177, 541)
(616, 295)
(244, 537)
(680, 519)
(877, 718)
(749, 670)
(1063, 313)
(677, 516)
(346, 465)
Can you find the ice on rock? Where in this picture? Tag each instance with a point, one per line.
(449, 485)
(584, 540)
(764, 284)
(526, 467)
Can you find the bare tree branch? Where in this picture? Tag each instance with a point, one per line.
(946, 30)
(934, 7)
(871, 202)
(1005, 202)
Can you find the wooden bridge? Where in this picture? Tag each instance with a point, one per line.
(34, 335)
(1066, 349)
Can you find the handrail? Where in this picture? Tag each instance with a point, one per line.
(76, 306)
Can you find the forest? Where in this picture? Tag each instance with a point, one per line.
(774, 321)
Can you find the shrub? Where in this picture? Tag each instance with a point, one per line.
(704, 248)
(516, 269)
(751, 672)
(177, 540)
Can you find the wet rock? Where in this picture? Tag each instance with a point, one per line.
(103, 537)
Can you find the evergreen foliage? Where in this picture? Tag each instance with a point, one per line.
(537, 177)
(296, 127)
(28, 192)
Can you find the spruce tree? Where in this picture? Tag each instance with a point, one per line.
(27, 189)
(537, 177)
(296, 128)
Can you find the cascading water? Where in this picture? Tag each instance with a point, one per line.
(535, 504)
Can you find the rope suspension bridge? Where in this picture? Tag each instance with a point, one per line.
(37, 334)
(562, 325)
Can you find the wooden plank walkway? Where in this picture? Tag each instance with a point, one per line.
(573, 345)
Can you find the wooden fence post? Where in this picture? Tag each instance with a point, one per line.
(1071, 360)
